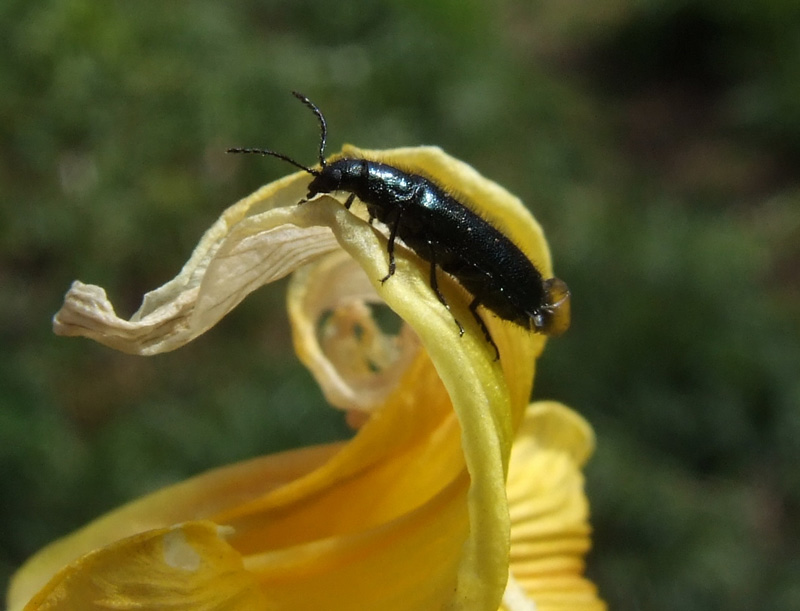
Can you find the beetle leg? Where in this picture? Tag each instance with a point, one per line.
(350, 200)
(390, 246)
(473, 307)
(435, 287)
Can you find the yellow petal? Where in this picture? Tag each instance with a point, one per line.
(376, 502)
(171, 568)
(398, 461)
(549, 512)
(198, 497)
(409, 563)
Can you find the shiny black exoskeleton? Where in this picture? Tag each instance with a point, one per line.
(446, 233)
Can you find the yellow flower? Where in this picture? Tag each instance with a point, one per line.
(412, 513)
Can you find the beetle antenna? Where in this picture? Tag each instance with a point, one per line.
(323, 126)
(274, 154)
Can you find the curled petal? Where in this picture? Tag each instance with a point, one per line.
(354, 361)
(259, 240)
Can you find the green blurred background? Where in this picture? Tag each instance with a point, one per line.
(658, 143)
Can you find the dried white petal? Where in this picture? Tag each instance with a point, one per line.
(259, 240)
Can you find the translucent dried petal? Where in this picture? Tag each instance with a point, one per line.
(355, 363)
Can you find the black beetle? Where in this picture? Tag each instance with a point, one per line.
(446, 233)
